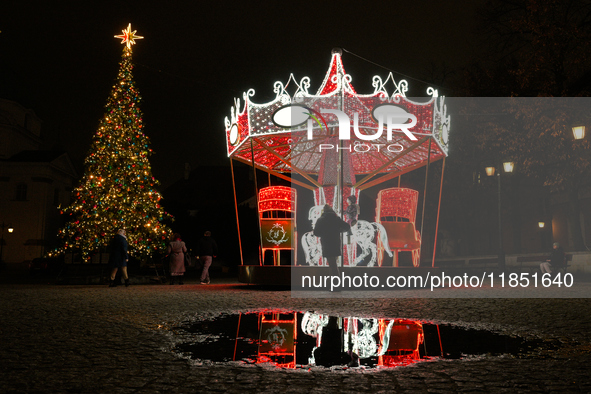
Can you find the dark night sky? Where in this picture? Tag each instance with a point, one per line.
(61, 60)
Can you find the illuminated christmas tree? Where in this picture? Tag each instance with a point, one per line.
(117, 189)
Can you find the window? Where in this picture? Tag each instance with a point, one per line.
(21, 192)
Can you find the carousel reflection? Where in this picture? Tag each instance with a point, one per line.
(330, 340)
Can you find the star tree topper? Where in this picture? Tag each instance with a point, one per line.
(128, 37)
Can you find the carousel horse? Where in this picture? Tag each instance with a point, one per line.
(310, 242)
(364, 233)
(364, 343)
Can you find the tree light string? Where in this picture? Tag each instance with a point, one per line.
(117, 189)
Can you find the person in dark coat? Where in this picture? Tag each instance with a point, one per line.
(207, 249)
(118, 257)
(556, 260)
(331, 350)
(176, 251)
(329, 228)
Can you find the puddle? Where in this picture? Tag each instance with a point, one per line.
(303, 339)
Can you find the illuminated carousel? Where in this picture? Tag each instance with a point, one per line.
(334, 144)
(292, 340)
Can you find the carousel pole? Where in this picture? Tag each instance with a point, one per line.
(276, 252)
(237, 332)
(425, 191)
(438, 210)
(236, 209)
(273, 213)
(256, 196)
(341, 186)
(399, 178)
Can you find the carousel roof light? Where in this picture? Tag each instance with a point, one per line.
(295, 131)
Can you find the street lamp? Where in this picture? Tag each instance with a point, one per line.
(579, 131)
(543, 232)
(490, 171)
(10, 230)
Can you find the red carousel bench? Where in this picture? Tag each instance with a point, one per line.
(277, 210)
(396, 210)
(399, 341)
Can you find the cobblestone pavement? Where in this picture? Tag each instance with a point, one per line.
(83, 339)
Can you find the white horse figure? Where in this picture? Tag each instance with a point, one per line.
(364, 343)
(364, 234)
(310, 242)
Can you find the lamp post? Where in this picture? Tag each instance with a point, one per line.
(10, 230)
(578, 131)
(490, 171)
(542, 229)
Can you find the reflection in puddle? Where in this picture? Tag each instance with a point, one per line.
(299, 339)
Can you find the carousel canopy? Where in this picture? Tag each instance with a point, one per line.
(378, 134)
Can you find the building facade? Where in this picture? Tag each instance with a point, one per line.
(34, 184)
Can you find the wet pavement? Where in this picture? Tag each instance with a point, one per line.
(74, 339)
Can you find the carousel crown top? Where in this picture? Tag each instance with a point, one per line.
(303, 132)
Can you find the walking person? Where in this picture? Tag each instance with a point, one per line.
(556, 261)
(176, 250)
(118, 257)
(329, 228)
(207, 250)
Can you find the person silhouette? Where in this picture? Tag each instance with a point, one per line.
(329, 228)
(176, 250)
(352, 211)
(331, 350)
(556, 260)
(118, 257)
(207, 249)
